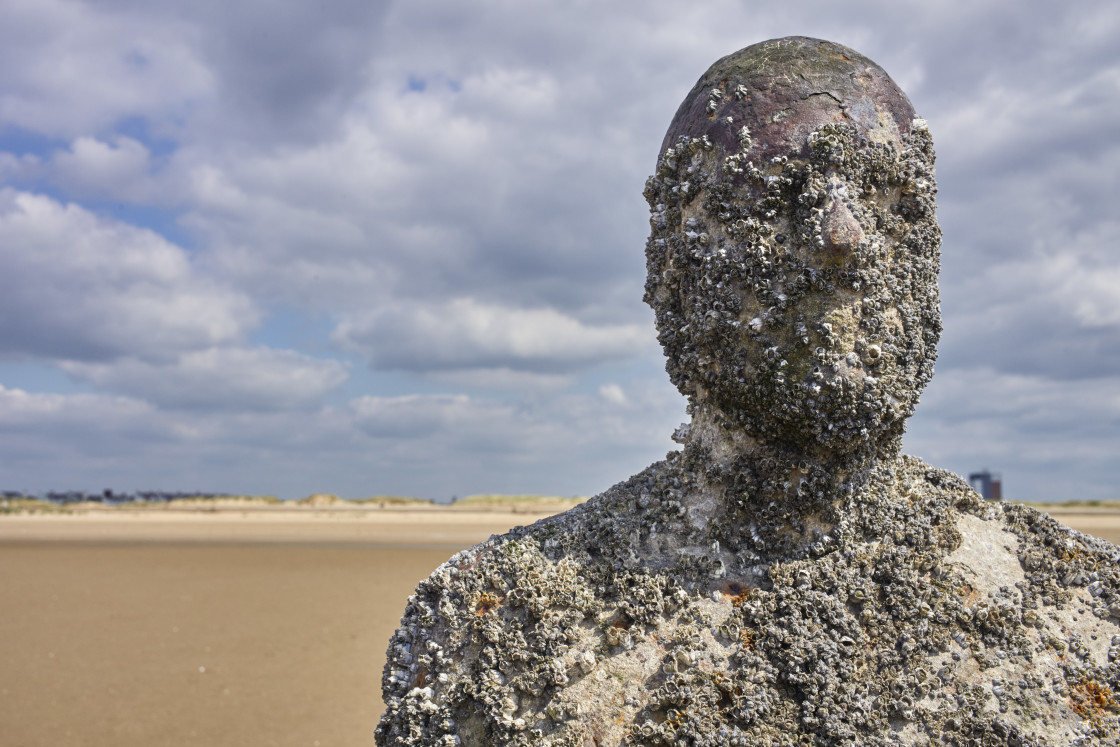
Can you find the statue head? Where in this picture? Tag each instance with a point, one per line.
(793, 257)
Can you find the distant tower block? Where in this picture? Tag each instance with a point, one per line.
(988, 484)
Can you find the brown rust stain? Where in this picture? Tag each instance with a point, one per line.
(1090, 699)
(487, 602)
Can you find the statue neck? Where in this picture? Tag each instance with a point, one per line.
(778, 499)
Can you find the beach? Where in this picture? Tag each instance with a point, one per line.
(226, 625)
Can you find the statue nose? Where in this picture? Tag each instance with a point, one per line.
(840, 229)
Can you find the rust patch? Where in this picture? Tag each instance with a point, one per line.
(737, 592)
(969, 594)
(1090, 699)
(487, 602)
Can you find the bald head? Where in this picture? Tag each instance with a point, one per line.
(783, 90)
(793, 257)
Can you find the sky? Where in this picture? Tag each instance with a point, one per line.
(398, 247)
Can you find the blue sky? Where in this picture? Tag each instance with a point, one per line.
(370, 248)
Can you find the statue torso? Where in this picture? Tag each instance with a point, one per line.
(642, 617)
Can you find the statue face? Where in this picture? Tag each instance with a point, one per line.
(796, 296)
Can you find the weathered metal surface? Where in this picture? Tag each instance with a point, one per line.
(791, 86)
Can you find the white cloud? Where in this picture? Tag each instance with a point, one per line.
(20, 409)
(106, 170)
(76, 286)
(421, 416)
(504, 379)
(232, 379)
(464, 333)
(1097, 301)
(613, 394)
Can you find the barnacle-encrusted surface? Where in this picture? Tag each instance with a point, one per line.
(797, 295)
(787, 578)
(928, 618)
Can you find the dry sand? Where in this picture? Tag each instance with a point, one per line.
(236, 627)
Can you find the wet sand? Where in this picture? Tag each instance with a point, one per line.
(213, 629)
(231, 628)
(1099, 523)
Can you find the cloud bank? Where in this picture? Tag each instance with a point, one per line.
(398, 247)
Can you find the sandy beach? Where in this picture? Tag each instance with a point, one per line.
(229, 626)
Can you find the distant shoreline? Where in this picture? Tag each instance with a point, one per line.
(221, 521)
(13, 503)
(386, 523)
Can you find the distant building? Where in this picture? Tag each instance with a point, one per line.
(988, 484)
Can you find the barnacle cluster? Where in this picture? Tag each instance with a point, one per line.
(798, 299)
(787, 577)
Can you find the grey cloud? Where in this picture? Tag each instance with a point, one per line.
(503, 379)
(75, 286)
(92, 441)
(51, 440)
(68, 69)
(515, 218)
(1049, 314)
(428, 445)
(281, 71)
(575, 444)
(1052, 440)
(399, 420)
(466, 334)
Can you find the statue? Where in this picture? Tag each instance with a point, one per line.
(787, 578)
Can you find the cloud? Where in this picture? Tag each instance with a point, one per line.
(428, 445)
(455, 189)
(77, 286)
(1052, 440)
(423, 416)
(93, 441)
(575, 443)
(106, 170)
(503, 379)
(21, 409)
(281, 72)
(1051, 311)
(613, 393)
(231, 379)
(70, 68)
(426, 194)
(466, 334)
(51, 440)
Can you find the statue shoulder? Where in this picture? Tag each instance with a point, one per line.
(501, 627)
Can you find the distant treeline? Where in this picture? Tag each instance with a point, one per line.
(62, 497)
